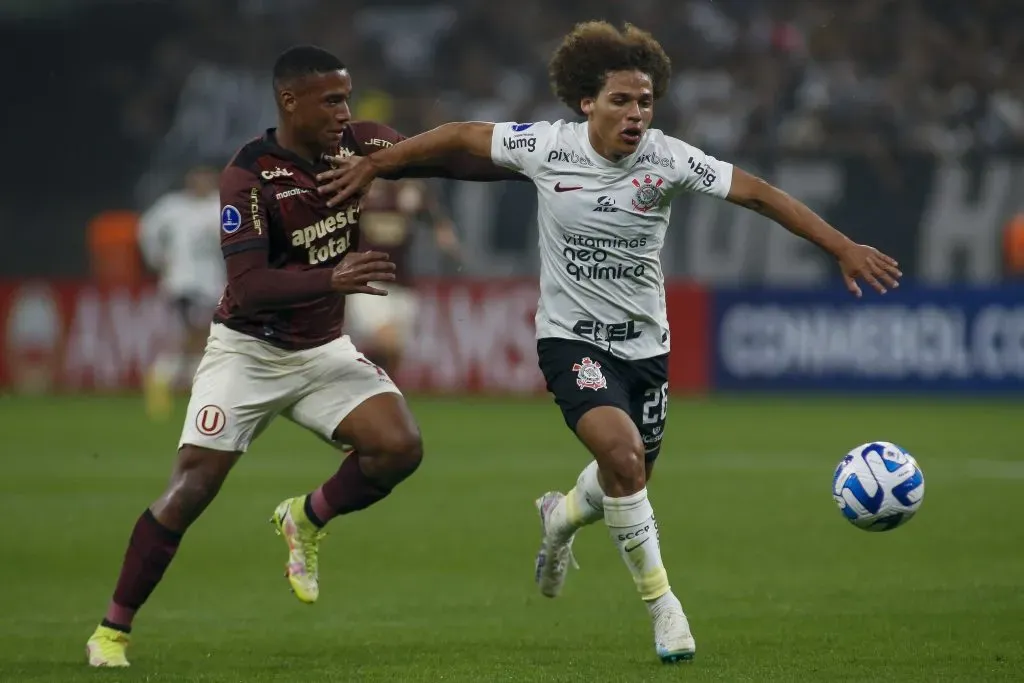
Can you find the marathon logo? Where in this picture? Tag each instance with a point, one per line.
(291, 193)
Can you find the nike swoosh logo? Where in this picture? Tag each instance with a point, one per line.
(632, 548)
(559, 188)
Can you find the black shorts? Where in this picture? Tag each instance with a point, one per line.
(583, 376)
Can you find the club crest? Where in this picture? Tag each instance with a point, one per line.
(648, 193)
(589, 375)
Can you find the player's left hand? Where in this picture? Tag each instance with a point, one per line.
(859, 261)
(347, 178)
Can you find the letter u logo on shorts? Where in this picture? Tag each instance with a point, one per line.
(211, 420)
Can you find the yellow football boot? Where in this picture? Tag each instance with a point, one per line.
(106, 648)
(303, 539)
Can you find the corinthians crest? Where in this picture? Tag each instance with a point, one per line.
(589, 375)
(648, 193)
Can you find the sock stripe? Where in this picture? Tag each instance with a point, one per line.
(307, 507)
(169, 534)
(106, 623)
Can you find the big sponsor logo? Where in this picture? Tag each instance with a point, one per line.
(703, 171)
(590, 258)
(328, 238)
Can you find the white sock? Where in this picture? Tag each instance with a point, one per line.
(582, 505)
(635, 531)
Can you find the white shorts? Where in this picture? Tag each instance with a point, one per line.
(365, 314)
(243, 383)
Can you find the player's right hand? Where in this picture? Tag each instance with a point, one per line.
(861, 262)
(359, 268)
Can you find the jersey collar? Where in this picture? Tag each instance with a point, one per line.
(270, 140)
(600, 161)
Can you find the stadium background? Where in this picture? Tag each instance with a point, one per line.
(902, 122)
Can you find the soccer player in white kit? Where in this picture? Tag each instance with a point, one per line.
(179, 237)
(604, 190)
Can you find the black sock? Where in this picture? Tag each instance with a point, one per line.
(116, 627)
(310, 515)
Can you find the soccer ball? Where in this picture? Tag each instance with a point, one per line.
(878, 486)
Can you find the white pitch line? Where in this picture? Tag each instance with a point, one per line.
(996, 469)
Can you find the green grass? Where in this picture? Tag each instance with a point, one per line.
(435, 584)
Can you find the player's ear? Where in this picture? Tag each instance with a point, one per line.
(286, 100)
(587, 105)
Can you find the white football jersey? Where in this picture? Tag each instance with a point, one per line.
(602, 226)
(180, 238)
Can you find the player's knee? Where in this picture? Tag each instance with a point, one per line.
(197, 478)
(197, 489)
(622, 466)
(394, 455)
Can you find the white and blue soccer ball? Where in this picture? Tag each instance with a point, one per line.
(878, 486)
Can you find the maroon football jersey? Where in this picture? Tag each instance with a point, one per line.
(270, 203)
(281, 241)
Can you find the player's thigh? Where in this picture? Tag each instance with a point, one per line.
(382, 426)
(581, 378)
(648, 380)
(341, 379)
(241, 384)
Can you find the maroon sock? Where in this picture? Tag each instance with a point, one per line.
(150, 549)
(347, 491)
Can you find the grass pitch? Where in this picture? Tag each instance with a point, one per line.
(435, 584)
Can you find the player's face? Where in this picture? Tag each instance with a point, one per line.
(319, 108)
(621, 113)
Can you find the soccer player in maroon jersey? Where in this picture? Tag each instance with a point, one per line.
(391, 213)
(276, 348)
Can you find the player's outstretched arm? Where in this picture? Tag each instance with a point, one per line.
(440, 150)
(857, 261)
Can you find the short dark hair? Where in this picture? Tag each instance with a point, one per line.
(580, 65)
(304, 60)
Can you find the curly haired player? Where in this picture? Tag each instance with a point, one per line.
(604, 188)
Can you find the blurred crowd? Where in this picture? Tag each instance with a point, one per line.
(839, 75)
(144, 89)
